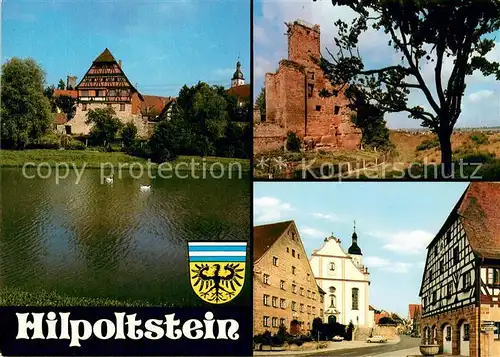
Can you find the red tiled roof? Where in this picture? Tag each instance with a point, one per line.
(60, 119)
(66, 92)
(242, 92)
(480, 216)
(264, 237)
(413, 309)
(155, 102)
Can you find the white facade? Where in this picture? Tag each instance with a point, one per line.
(346, 283)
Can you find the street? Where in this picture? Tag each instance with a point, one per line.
(370, 350)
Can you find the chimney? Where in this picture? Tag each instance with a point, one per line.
(120, 63)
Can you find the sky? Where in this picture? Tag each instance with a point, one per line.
(163, 44)
(481, 105)
(395, 221)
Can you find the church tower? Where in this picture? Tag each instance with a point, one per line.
(237, 79)
(354, 250)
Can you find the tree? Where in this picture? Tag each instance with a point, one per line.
(67, 104)
(61, 85)
(260, 102)
(25, 109)
(169, 138)
(128, 134)
(423, 32)
(105, 125)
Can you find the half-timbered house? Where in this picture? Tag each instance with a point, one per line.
(460, 288)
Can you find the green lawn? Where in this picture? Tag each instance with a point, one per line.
(17, 297)
(94, 159)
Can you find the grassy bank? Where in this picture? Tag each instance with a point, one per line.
(94, 159)
(17, 297)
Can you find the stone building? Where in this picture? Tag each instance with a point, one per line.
(285, 291)
(293, 102)
(460, 289)
(346, 282)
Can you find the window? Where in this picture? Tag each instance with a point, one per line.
(448, 237)
(293, 253)
(332, 266)
(294, 306)
(282, 285)
(85, 93)
(310, 89)
(466, 280)
(287, 250)
(318, 108)
(336, 110)
(282, 321)
(321, 298)
(436, 249)
(275, 301)
(265, 300)
(309, 293)
(455, 256)
(293, 235)
(112, 93)
(314, 310)
(302, 291)
(466, 332)
(266, 321)
(122, 107)
(275, 261)
(293, 270)
(320, 312)
(265, 279)
(333, 301)
(493, 276)
(434, 296)
(441, 266)
(310, 75)
(496, 332)
(449, 289)
(298, 256)
(84, 106)
(282, 303)
(314, 296)
(355, 297)
(275, 322)
(308, 277)
(448, 333)
(308, 309)
(294, 288)
(301, 308)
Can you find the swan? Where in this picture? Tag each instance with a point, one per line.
(109, 179)
(145, 187)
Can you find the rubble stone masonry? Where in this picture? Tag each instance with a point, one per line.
(293, 101)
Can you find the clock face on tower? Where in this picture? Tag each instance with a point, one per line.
(331, 267)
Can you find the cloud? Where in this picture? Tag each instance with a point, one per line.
(259, 34)
(262, 66)
(405, 242)
(387, 265)
(269, 209)
(481, 95)
(328, 216)
(311, 232)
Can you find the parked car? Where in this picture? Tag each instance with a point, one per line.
(378, 339)
(337, 339)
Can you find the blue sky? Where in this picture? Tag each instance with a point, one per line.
(163, 44)
(481, 105)
(394, 222)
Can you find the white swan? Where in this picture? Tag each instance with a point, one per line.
(109, 179)
(145, 187)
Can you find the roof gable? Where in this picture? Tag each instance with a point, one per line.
(265, 236)
(479, 214)
(105, 56)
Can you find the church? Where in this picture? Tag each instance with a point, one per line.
(346, 282)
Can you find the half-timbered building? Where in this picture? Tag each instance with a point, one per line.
(106, 85)
(460, 290)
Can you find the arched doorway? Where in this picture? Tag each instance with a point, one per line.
(427, 335)
(447, 339)
(464, 338)
(332, 319)
(434, 335)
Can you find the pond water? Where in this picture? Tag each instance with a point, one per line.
(114, 240)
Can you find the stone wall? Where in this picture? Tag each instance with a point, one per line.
(293, 100)
(388, 331)
(79, 127)
(268, 136)
(455, 319)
